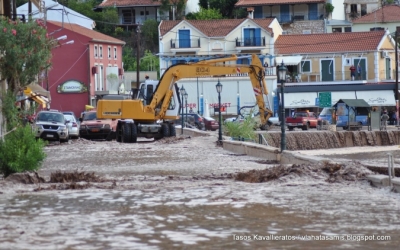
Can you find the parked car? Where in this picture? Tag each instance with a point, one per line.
(93, 128)
(193, 119)
(50, 125)
(70, 113)
(303, 120)
(210, 123)
(73, 126)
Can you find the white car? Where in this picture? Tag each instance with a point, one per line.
(72, 125)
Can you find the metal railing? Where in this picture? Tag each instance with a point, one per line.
(250, 42)
(184, 43)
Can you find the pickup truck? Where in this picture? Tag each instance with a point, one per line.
(303, 120)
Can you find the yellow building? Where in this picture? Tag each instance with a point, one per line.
(328, 57)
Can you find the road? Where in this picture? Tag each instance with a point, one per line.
(180, 193)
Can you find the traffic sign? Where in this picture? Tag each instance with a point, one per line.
(325, 99)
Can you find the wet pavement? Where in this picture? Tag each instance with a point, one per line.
(179, 194)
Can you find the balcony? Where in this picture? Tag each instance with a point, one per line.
(185, 45)
(298, 16)
(254, 43)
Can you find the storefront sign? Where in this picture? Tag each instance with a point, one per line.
(71, 87)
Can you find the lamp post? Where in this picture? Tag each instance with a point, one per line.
(182, 92)
(282, 78)
(219, 90)
(186, 96)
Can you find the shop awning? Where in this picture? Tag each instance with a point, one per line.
(377, 97)
(300, 100)
(337, 95)
(42, 100)
(39, 90)
(288, 60)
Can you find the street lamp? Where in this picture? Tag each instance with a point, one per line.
(182, 91)
(219, 90)
(282, 78)
(186, 96)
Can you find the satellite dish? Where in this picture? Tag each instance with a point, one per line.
(121, 88)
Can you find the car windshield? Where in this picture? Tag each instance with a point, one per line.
(326, 111)
(90, 116)
(50, 117)
(69, 118)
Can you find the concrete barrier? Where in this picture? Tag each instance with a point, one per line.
(379, 180)
(191, 132)
(396, 184)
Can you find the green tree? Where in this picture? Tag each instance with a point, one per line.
(205, 14)
(106, 20)
(225, 7)
(166, 6)
(27, 51)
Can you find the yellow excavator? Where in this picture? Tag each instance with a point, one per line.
(151, 112)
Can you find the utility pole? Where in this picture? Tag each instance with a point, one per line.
(138, 56)
(397, 71)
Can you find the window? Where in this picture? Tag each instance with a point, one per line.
(347, 29)
(109, 52)
(338, 30)
(363, 9)
(101, 51)
(127, 17)
(115, 52)
(142, 13)
(305, 66)
(95, 51)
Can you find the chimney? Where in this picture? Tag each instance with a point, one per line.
(250, 12)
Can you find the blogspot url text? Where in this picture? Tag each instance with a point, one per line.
(346, 237)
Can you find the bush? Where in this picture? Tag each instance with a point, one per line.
(20, 151)
(243, 129)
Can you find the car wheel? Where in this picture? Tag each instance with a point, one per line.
(165, 130)
(172, 130)
(126, 132)
(306, 127)
(133, 132)
(290, 128)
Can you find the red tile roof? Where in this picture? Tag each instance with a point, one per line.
(244, 3)
(389, 13)
(95, 35)
(328, 42)
(214, 28)
(122, 3)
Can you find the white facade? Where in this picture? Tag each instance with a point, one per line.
(236, 92)
(339, 11)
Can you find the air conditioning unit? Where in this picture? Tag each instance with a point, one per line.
(384, 54)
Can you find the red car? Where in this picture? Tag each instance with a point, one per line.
(210, 123)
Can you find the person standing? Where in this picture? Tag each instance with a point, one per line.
(352, 72)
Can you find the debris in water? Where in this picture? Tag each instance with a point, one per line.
(59, 177)
(330, 172)
(25, 178)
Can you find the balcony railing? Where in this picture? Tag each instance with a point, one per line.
(301, 16)
(250, 42)
(185, 43)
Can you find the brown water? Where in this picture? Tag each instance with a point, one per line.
(203, 218)
(160, 201)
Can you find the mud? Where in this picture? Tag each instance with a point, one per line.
(331, 173)
(311, 140)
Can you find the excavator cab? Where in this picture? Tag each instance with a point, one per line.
(146, 91)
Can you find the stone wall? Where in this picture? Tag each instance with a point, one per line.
(297, 27)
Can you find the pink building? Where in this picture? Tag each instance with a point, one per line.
(86, 65)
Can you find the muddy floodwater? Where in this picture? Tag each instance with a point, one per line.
(181, 194)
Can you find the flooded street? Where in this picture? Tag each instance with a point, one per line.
(181, 194)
